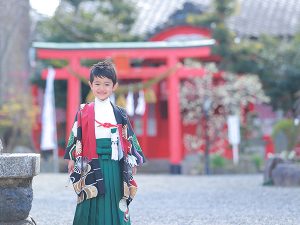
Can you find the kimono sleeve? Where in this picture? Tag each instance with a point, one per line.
(71, 146)
(136, 150)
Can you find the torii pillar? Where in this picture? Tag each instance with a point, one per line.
(174, 120)
(73, 95)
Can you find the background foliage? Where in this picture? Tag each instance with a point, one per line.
(88, 21)
(274, 59)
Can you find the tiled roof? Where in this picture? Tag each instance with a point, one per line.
(156, 13)
(253, 17)
(274, 17)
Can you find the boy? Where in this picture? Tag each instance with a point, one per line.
(102, 154)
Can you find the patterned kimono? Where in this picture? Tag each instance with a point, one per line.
(104, 148)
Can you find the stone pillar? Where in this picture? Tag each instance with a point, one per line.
(16, 173)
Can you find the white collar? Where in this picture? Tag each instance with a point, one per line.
(102, 102)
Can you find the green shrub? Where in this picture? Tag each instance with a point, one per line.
(217, 161)
(289, 129)
(257, 160)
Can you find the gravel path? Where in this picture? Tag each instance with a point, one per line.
(180, 200)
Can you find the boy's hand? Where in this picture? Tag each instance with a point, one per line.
(134, 170)
(71, 166)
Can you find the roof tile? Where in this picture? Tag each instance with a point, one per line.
(255, 17)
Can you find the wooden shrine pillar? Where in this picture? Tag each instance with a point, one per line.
(73, 97)
(174, 123)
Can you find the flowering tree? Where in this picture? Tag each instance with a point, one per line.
(207, 101)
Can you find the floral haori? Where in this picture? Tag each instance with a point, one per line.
(87, 177)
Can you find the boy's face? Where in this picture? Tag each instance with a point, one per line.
(102, 87)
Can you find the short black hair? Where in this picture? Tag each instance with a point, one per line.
(104, 68)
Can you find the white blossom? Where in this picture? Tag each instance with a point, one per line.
(226, 95)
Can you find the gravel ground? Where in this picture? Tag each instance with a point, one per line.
(180, 200)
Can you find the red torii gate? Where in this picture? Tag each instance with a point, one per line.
(169, 52)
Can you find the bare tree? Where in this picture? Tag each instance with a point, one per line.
(14, 61)
(14, 44)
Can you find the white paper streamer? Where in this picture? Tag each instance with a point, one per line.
(141, 106)
(48, 136)
(130, 104)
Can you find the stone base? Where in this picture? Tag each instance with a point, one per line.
(16, 173)
(15, 201)
(28, 221)
(286, 174)
(281, 172)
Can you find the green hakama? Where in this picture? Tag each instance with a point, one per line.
(104, 210)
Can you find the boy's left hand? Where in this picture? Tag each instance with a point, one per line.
(134, 170)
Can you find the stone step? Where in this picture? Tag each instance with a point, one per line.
(156, 166)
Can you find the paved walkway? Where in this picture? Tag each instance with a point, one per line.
(180, 200)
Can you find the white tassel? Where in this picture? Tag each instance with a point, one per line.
(140, 109)
(120, 147)
(114, 146)
(132, 160)
(130, 104)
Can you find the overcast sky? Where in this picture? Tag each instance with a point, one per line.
(46, 7)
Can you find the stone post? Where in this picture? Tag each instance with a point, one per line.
(16, 173)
